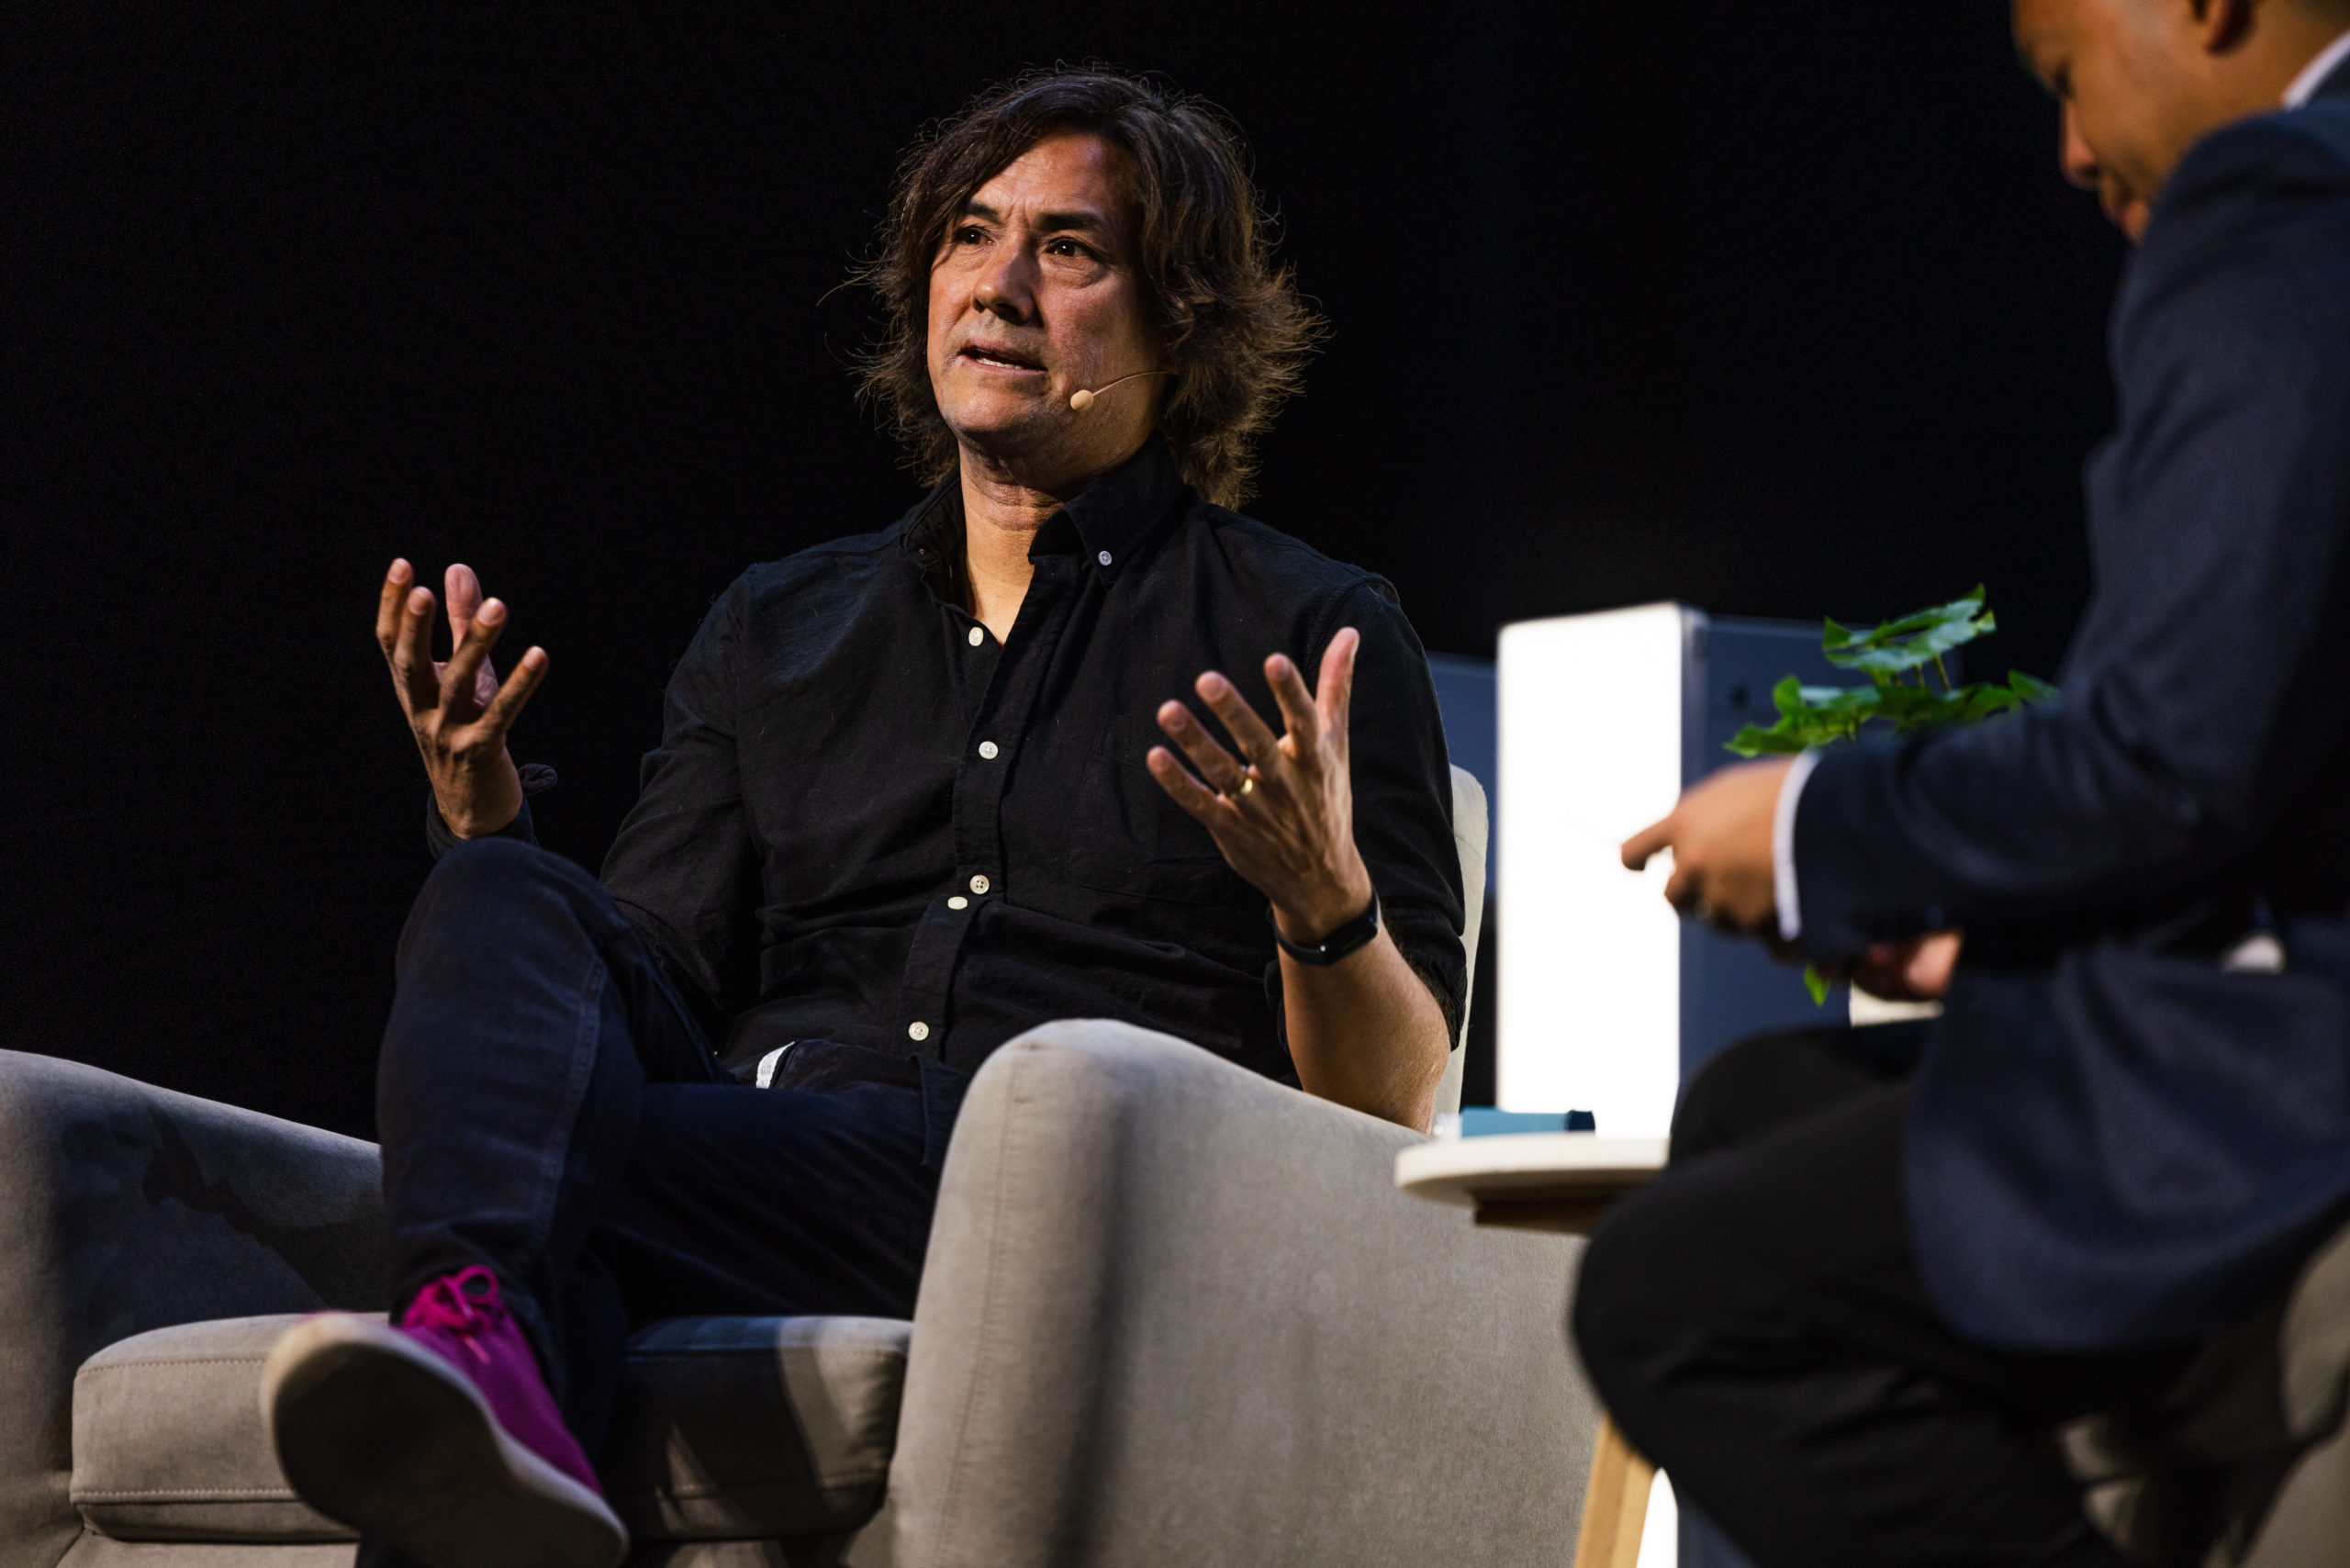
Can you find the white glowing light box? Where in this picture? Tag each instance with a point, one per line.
(1608, 999)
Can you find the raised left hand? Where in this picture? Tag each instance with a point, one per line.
(1283, 812)
(1919, 969)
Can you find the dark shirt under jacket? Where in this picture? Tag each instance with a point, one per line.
(870, 821)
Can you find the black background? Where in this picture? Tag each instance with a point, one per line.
(1780, 310)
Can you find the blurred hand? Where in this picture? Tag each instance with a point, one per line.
(1915, 970)
(457, 710)
(1719, 834)
(1284, 817)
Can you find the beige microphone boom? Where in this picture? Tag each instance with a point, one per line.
(1083, 398)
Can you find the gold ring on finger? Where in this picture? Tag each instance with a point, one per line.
(1247, 782)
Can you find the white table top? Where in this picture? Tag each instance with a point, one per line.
(1463, 1172)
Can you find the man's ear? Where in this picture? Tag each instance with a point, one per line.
(2222, 26)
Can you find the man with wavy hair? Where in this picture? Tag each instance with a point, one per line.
(917, 791)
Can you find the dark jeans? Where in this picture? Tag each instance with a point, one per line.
(1755, 1323)
(549, 1108)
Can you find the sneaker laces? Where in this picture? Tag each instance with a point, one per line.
(465, 1304)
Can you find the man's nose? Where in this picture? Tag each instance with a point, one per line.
(2073, 152)
(1005, 292)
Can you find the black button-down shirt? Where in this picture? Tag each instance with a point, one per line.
(870, 821)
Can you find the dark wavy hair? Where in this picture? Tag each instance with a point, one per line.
(1237, 333)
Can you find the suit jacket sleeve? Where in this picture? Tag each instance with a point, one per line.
(683, 866)
(2200, 699)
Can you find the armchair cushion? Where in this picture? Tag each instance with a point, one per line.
(168, 1442)
(725, 1427)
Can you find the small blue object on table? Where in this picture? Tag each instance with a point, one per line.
(1484, 1120)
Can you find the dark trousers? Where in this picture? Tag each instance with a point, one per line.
(549, 1108)
(1755, 1323)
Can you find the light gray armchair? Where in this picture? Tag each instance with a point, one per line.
(2282, 1497)
(1172, 1313)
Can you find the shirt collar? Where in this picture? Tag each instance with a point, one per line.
(2313, 75)
(932, 537)
(1116, 511)
(1106, 521)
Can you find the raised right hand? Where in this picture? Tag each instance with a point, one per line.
(458, 710)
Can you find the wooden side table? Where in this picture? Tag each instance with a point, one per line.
(1561, 1182)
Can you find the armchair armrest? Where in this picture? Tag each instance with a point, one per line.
(125, 1208)
(1174, 1312)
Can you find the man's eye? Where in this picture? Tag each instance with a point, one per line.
(969, 234)
(1066, 248)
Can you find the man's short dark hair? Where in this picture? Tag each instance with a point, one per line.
(1236, 332)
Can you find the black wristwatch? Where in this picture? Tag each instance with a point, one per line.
(1356, 933)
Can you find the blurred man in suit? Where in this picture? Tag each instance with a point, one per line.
(1887, 1263)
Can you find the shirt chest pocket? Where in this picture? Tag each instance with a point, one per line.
(1127, 835)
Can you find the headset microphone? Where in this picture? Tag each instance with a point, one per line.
(1082, 399)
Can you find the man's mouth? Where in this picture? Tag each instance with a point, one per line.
(999, 358)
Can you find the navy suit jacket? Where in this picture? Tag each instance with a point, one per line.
(2114, 1141)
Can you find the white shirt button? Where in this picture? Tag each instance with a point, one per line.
(978, 636)
(959, 901)
(979, 883)
(918, 1030)
(1103, 557)
(987, 749)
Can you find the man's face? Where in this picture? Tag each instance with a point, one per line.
(1034, 295)
(2125, 73)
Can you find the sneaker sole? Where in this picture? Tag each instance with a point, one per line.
(378, 1432)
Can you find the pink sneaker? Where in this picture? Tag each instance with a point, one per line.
(439, 1436)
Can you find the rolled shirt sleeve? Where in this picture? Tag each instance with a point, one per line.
(1403, 795)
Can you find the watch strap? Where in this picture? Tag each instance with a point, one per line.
(1356, 933)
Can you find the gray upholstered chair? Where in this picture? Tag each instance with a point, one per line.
(1172, 1314)
(2309, 1519)
(2281, 1498)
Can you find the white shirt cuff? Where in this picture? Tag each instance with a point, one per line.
(2314, 73)
(1782, 845)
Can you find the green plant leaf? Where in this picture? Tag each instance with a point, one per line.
(1913, 641)
(1817, 983)
(1755, 741)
